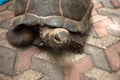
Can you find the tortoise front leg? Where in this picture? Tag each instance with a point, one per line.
(22, 33)
(56, 38)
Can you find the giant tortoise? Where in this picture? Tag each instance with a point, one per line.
(54, 21)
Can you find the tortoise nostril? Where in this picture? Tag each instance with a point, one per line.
(57, 38)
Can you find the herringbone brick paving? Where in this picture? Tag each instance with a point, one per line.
(101, 60)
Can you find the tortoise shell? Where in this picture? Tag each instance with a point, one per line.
(68, 14)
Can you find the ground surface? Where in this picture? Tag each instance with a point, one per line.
(100, 60)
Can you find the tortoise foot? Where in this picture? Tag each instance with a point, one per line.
(20, 36)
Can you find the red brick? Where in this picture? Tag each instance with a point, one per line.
(100, 27)
(74, 71)
(24, 59)
(2, 36)
(98, 5)
(116, 3)
(113, 56)
(3, 7)
(94, 12)
(5, 16)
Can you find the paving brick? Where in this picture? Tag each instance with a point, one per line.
(113, 56)
(95, 1)
(94, 12)
(52, 64)
(52, 70)
(48, 64)
(6, 44)
(114, 14)
(98, 18)
(87, 78)
(91, 32)
(29, 75)
(6, 24)
(106, 3)
(101, 27)
(98, 5)
(114, 30)
(103, 42)
(74, 71)
(4, 15)
(3, 7)
(24, 59)
(5, 77)
(2, 34)
(97, 74)
(98, 57)
(44, 78)
(116, 3)
(113, 77)
(7, 60)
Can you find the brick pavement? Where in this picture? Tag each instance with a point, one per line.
(100, 60)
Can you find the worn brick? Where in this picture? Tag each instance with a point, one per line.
(94, 12)
(29, 75)
(113, 76)
(6, 24)
(3, 34)
(103, 42)
(24, 59)
(98, 57)
(87, 78)
(97, 18)
(3, 7)
(114, 30)
(97, 74)
(50, 63)
(7, 60)
(114, 14)
(116, 3)
(98, 5)
(101, 26)
(4, 15)
(48, 68)
(74, 71)
(113, 56)
(106, 3)
(45, 78)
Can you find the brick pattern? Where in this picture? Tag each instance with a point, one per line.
(74, 71)
(102, 50)
(5, 6)
(100, 25)
(4, 15)
(109, 3)
(24, 59)
(116, 3)
(111, 51)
